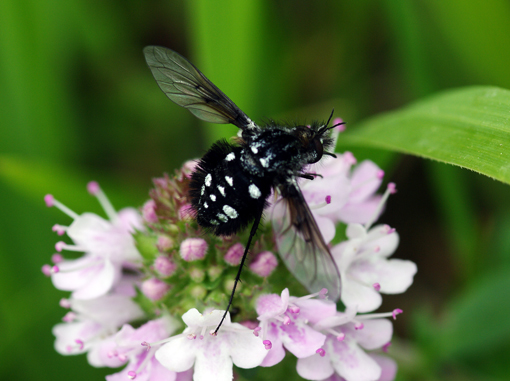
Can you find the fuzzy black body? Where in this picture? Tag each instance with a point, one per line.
(224, 196)
(230, 186)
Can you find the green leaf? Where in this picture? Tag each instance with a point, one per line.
(476, 323)
(468, 127)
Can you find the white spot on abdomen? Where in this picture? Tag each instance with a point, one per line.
(254, 149)
(222, 190)
(254, 191)
(213, 197)
(264, 162)
(230, 156)
(206, 205)
(229, 211)
(222, 217)
(208, 180)
(229, 180)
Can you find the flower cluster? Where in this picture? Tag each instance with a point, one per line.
(149, 287)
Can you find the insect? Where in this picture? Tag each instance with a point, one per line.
(232, 182)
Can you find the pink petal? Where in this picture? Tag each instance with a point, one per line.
(159, 373)
(388, 367)
(326, 227)
(358, 212)
(129, 219)
(315, 367)
(375, 333)
(365, 181)
(301, 340)
(271, 305)
(351, 362)
(314, 310)
(275, 355)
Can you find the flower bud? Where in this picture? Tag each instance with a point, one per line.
(154, 288)
(193, 249)
(164, 265)
(234, 254)
(164, 243)
(149, 212)
(264, 264)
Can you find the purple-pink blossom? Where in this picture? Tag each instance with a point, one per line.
(108, 246)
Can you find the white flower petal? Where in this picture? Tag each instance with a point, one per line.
(246, 350)
(363, 298)
(375, 333)
(86, 227)
(394, 275)
(76, 273)
(315, 367)
(109, 310)
(99, 284)
(356, 231)
(177, 355)
(66, 334)
(213, 362)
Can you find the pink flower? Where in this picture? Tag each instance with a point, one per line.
(212, 356)
(93, 321)
(365, 268)
(352, 195)
(339, 194)
(284, 322)
(108, 246)
(127, 346)
(343, 351)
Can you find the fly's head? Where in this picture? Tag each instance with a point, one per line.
(315, 141)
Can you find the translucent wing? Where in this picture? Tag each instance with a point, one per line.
(185, 85)
(301, 245)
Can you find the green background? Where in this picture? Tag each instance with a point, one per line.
(77, 103)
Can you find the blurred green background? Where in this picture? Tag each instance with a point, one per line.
(77, 103)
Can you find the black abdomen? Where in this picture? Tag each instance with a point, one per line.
(223, 197)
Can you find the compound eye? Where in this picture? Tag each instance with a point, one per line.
(318, 150)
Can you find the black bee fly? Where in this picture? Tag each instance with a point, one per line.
(231, 184)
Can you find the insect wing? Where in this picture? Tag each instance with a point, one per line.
(301, 245)
(185, 85)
